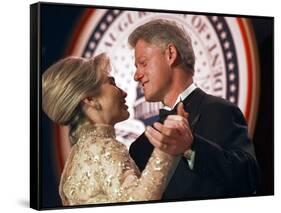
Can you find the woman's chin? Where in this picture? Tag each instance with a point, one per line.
(124, 115)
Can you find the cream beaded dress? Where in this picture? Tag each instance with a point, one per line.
(99, 169)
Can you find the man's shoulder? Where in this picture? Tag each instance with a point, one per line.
(213, 104)
(218, 109)
(200, 96)
(211, 100)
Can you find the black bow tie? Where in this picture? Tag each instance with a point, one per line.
(163, 113)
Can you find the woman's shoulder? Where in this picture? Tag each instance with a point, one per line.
(80, 178)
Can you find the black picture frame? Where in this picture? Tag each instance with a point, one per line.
(50, 41)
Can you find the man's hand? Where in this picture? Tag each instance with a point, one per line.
(174, 136)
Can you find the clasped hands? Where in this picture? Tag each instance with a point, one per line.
(174, 136)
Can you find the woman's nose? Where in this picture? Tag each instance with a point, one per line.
(124, 94)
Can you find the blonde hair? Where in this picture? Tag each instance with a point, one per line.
(66, 83)
(161, 32)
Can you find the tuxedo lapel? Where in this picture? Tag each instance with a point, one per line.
(191, 105)
(176, 188)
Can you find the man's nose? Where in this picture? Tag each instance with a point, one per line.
(138, 75)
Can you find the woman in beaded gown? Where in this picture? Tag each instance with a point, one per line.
(79, 93)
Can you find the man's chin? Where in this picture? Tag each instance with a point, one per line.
(151, 98)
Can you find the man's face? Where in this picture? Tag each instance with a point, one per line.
(153, 71)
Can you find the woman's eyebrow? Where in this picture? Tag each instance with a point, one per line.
(111, 79)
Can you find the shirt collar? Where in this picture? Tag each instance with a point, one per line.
(182, 96)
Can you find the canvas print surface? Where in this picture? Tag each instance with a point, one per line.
(138, 105)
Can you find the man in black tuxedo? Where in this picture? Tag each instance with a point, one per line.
(217, 158)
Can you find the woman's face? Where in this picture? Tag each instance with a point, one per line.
(112, 100)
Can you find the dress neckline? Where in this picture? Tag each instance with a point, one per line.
(97, 130)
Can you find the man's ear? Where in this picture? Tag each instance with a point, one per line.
(171, 54)
(91, 102)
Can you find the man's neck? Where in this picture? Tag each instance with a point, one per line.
(174, 92)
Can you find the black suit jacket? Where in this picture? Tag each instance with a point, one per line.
(225, 163)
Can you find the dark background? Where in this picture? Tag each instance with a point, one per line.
(58, 23)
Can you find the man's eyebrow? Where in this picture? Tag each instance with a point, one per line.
(140, 58)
